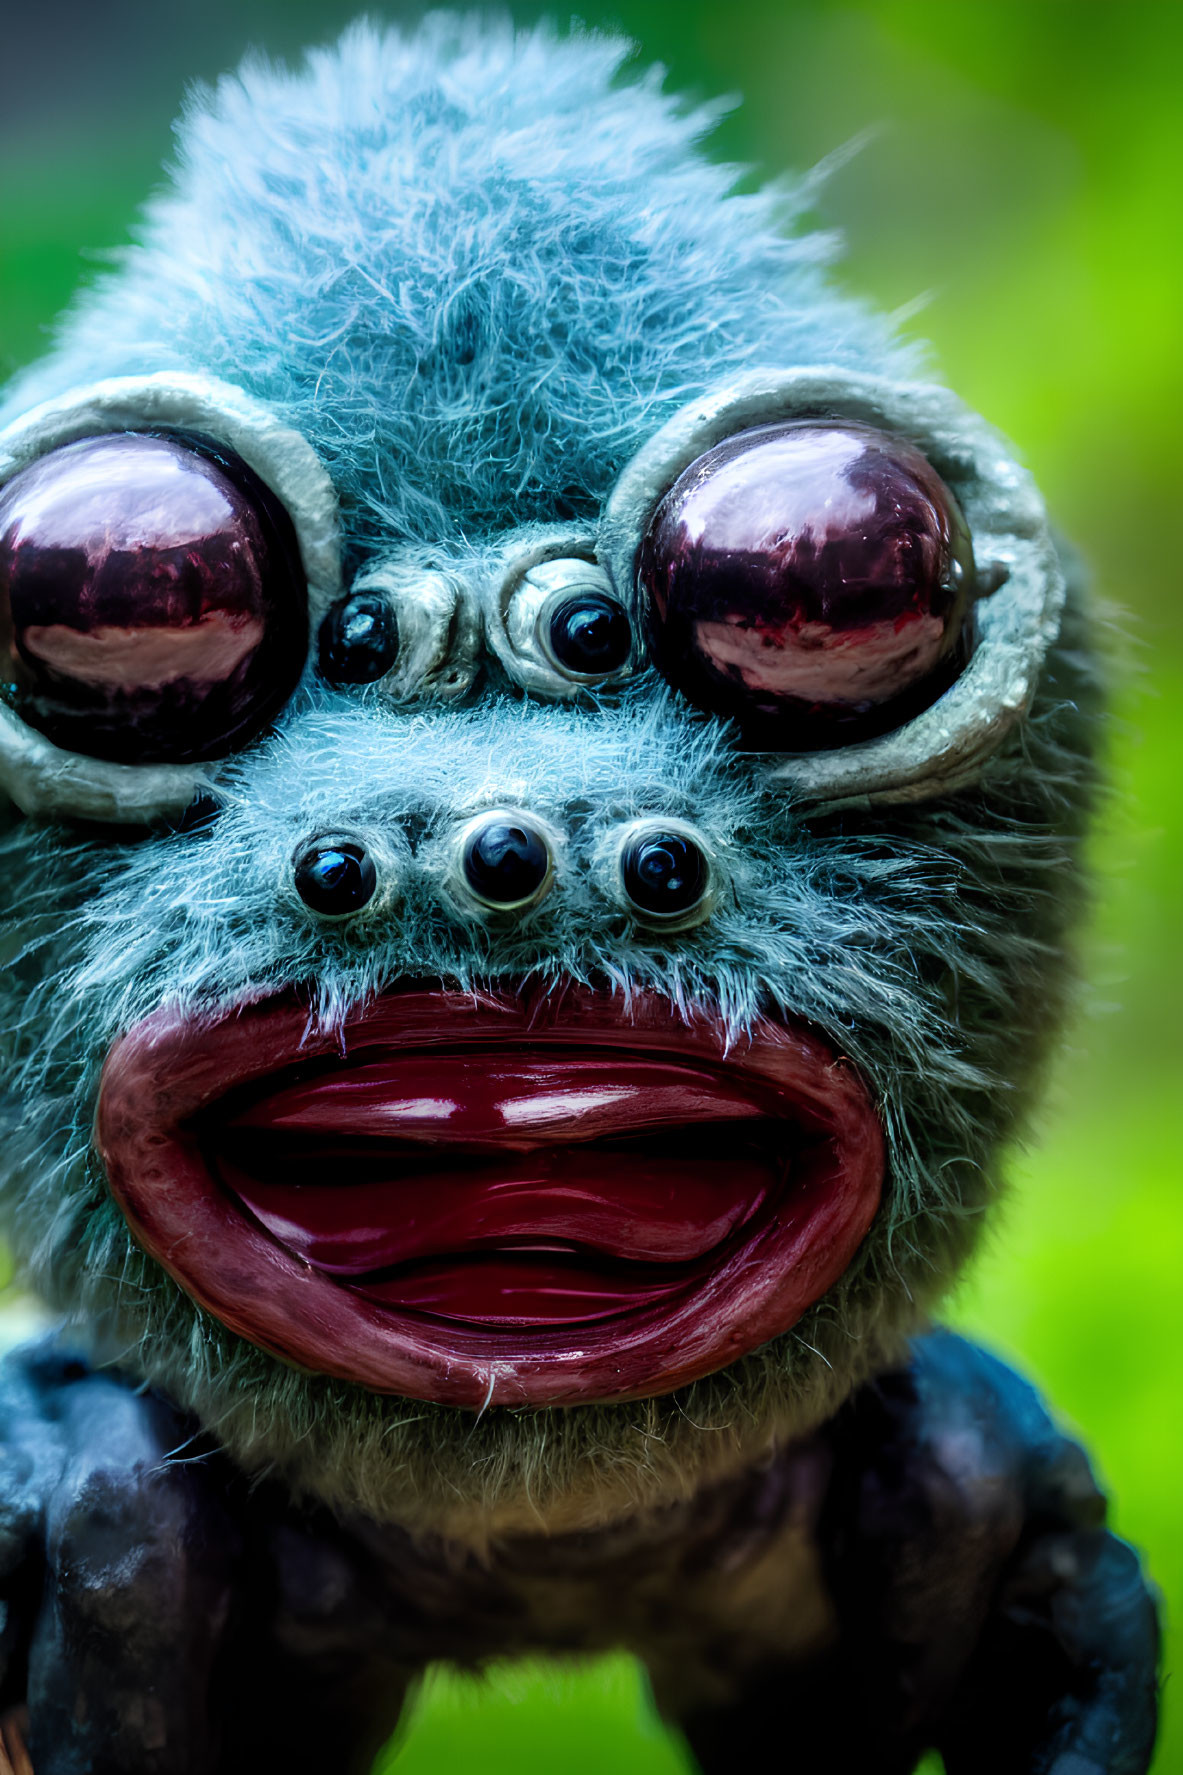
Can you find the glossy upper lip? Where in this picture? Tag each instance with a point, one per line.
(362, 1202)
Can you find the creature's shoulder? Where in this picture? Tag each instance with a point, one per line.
(62, 1420)
(954, 1440)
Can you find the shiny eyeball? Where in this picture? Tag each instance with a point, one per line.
(334, 875)
(506, 862)
(589, 634)
(813, 581)
(358, 639)
(665, 874)
(558, 627)
(153, 608)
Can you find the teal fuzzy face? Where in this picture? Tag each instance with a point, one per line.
(513, 1024)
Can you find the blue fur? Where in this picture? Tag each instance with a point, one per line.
(473, 267)
(476, 270)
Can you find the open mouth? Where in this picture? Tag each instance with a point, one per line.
(503, 1198)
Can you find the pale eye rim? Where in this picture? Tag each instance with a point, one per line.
(48, 781)
(511, 622)
(468, 901)
(664, 924)
(944, 746)
(543, 622)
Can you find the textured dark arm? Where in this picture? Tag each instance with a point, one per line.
(983, 1608)
(119, 1573)
(160, 1616)
(1065, 1679)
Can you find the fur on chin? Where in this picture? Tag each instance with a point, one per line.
(470, 1477)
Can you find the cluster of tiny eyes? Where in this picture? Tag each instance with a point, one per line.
(589, 634)
(507, 865)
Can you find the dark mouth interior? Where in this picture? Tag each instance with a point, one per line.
(524, 1226)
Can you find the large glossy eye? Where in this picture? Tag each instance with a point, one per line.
(153, 608)
(813, 581)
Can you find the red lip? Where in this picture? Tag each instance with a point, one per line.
(493, 1199)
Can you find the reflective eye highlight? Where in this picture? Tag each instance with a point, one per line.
(153, 606)
(666, 876)
(358, 640)
(557, 625)
(506, 862)
(589, 634)
(334, 875)
(812, 581)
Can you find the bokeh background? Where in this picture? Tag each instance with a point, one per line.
(1014, 198)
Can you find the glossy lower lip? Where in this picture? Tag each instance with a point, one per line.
(503, 1199)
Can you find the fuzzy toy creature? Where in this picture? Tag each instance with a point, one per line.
(547, 782)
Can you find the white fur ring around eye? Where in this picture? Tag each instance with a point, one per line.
(334, 875)
(429, 633)
(579, 624)
(504, 861)
(343, 874)
(665, 874)
(559, 628)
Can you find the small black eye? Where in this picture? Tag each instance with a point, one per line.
(665, 874)
(334, 875)
(506, 862)
(590, 633)
(358, 640)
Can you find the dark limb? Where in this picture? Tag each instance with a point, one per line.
(802, 1721)
(982, 1607)
(160, 1617)
(1045, 1662)
(1064, 1681)
(319, 1685)
(311, 1727)
(139, 1561)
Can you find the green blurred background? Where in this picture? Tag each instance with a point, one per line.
(1015, 199)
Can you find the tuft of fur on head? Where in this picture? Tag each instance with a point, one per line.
(470, 264)
(475, 272)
